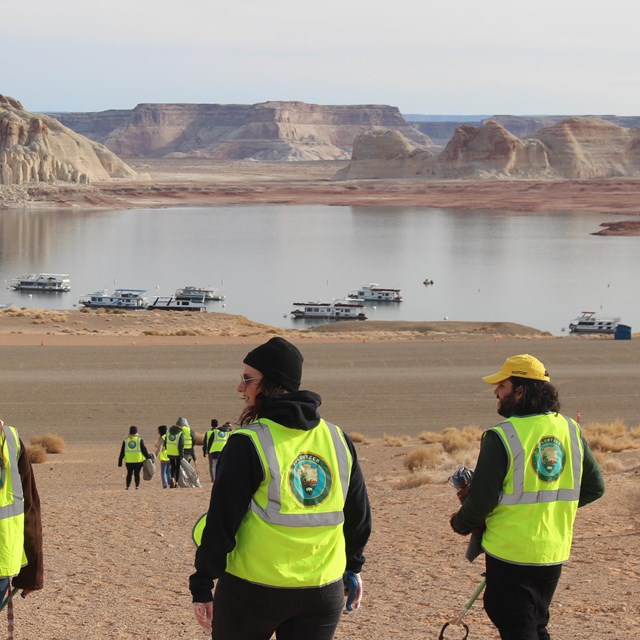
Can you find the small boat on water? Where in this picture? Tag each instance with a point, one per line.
(198, 293)
(589, 322)
(336, 310)
(374, 292)
(42, 282)
(173, 303)
(117, 299)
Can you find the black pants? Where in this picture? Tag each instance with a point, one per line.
(517, 598)
(174, 461)
(133, 469)
(246, 611)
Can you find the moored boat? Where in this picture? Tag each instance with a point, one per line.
(117, 299)
(191, 292)
(336, 310)
(173, 303)
(374, 292)
(589, 322)
(42, 282)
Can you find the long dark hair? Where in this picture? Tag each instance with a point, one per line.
(268, 389)
(539, 397)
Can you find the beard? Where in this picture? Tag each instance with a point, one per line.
(508, 404)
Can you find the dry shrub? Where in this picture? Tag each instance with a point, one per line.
(453, 440)
(85, 310)
(634, 432)
(37, 453)
(472, 433)
(359, 438)
(412, 481)
(50, 442)
(395, 441)
(423, 458)
(609, 436)
(199, 440)
(611, 464)
(430, 437)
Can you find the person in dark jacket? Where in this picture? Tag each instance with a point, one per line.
(533, 472)
(289, 515)
(30, 576)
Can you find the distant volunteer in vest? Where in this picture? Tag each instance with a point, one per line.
(534, 470)
(21, 565)
(134, 452)
(214, 441)
(289, 515)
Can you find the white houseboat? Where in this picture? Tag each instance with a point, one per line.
(42, 282)
(117, 299)
(374, 292)
(589, 322)
(173, 303)
(336, 310)
(198, 293)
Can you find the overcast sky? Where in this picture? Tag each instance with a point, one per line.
(448, 57)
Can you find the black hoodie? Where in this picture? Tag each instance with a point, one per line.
(238, 476)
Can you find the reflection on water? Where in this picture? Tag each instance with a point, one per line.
(534, 269)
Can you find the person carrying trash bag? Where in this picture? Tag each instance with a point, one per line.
(533, 472)
(134, 452)
(21, 550)
(289, 515)
(174, 446)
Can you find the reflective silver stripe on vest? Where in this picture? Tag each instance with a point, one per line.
(272, 512)
(16, 508)
(519, 495)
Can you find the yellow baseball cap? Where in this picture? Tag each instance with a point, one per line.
(521, 366)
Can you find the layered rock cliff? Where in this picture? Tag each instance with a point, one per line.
(38, 148)
(575, 148)
(270, 131)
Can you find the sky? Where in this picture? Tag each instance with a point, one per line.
(520, 57)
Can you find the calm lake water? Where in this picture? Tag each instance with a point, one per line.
(539, 269)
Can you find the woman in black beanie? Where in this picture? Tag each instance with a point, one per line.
(289, 516)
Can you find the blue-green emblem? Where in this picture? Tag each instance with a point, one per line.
(310, 479)
(548, 459)
(132, 444)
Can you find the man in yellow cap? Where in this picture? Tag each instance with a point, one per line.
(533, 471)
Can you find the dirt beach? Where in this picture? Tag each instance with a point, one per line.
(117, 561)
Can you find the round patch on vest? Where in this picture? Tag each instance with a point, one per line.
(548, 459)
(132, 444)
(310, 479)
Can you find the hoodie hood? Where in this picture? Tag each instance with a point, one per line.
(297, 410)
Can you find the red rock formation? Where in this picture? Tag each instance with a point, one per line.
(40, 149)
(271, 131)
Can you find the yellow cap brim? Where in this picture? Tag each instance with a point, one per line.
(495, 378)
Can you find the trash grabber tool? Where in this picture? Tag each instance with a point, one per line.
(458, 620)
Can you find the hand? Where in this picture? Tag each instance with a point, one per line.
(203, 612)
(462, 493)
(460, 533)
(353, 590)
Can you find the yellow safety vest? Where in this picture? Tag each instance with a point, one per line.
(188, 440)
(291, 535)
(132, 449)
(12, 555)
(172, 442)
(217, 439)
(163, 456)
(533, 521)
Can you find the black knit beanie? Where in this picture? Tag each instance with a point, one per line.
(133, 430)
(279, 361)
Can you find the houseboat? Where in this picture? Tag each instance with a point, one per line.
(173, 303)
(336, 310)
(589, 322)
(42, 282)
(117, 299)
(198, 293)
(374, 292)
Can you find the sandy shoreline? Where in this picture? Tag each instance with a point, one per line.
(202, 182)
